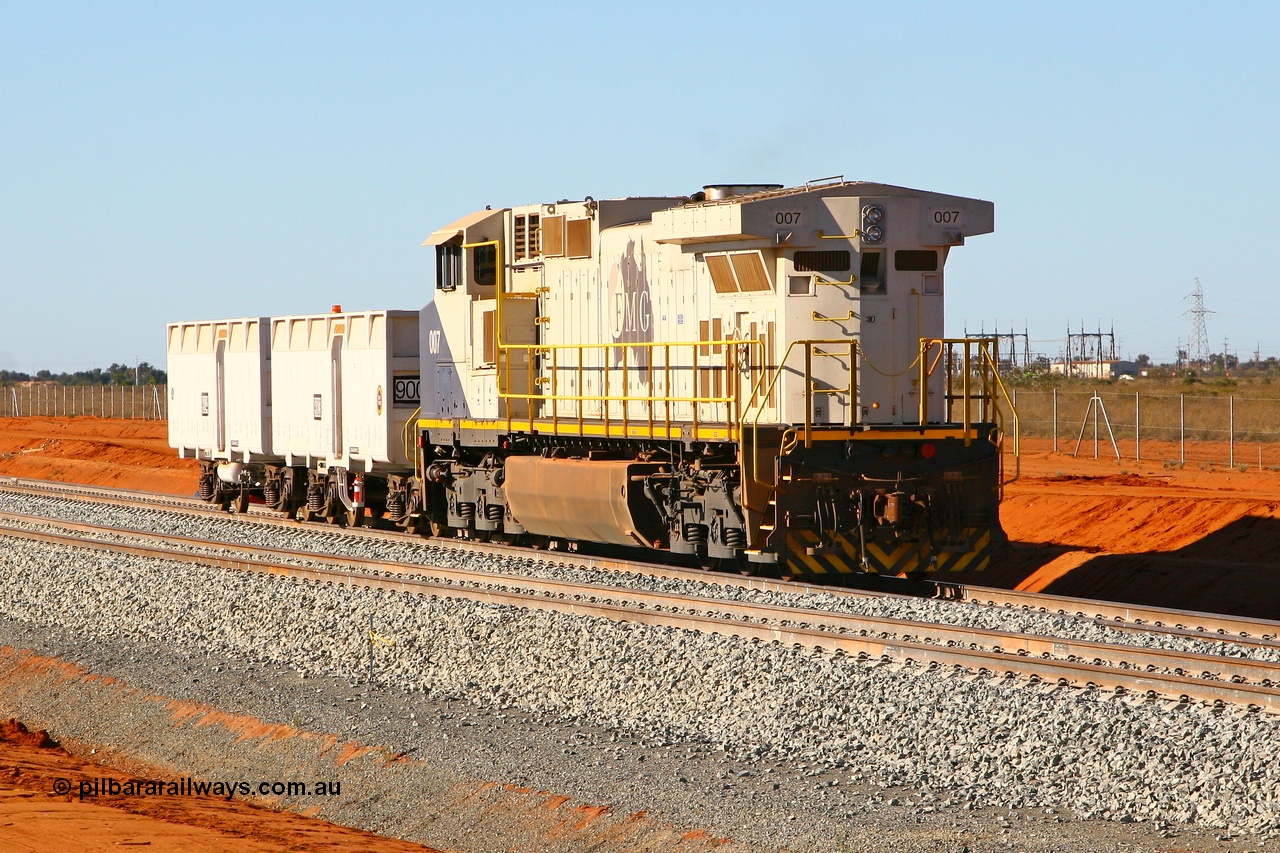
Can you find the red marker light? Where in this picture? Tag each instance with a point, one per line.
(927, 450)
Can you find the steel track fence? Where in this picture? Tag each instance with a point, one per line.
(145, 402)
(1168, 427)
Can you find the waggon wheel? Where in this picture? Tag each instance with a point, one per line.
(239, 503)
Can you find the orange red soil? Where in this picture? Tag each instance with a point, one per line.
(124, 454)
(34, 817)
(1190, 537)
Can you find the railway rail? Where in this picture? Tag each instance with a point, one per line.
(1117, 615)
(1151, 674)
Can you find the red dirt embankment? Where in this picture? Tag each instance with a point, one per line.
(1194, 537)
(35, 817)
(124, 454)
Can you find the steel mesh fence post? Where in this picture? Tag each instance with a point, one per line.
(1231, 431)
(1182, 427)
(1137, 427)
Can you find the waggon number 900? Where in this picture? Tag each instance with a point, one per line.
(406, 391)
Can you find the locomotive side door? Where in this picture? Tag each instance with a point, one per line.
(519, 327)
(448, 393)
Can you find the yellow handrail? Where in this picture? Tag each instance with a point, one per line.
(742, 410)
(759, 395)
(409, 434)
(977, 355)
(730, 397)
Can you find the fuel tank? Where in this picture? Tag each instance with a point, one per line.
(598, 500)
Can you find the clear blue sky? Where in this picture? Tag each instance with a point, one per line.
(166, 161)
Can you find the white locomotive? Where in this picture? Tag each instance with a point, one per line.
(750, 374)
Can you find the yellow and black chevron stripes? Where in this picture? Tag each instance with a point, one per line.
(896, 558)
(840, 556)
(976, 559)
(825, 562)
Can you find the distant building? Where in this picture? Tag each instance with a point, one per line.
(1095, 369)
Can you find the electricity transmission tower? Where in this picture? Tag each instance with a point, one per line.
(1198, 345)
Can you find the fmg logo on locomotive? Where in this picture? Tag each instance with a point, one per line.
(631, 298)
